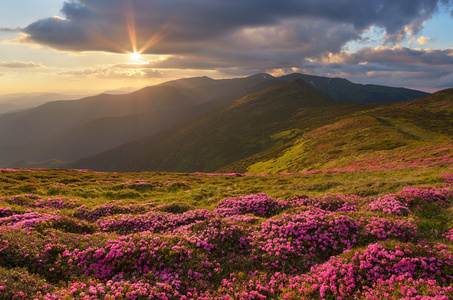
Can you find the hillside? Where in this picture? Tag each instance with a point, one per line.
(71, 130)
(97, 136)
(245, 127)
(21, 101)
(414, 133)
(56, 117)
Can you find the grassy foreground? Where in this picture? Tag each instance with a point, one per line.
(77, 234)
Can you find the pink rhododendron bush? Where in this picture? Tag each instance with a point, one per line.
(389, 246)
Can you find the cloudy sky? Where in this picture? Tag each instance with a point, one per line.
(57, 45)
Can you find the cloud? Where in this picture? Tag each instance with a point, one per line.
(114, 73)
(20, 65)
(421, 40)
(179, 27)
(11, 29)
(398, 66)
(243, 37)
(396, 56)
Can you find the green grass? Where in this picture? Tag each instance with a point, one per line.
(201, 190)
(397, 135)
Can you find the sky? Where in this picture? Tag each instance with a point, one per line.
(96, 45)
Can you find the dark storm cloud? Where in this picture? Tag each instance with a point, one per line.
(179, 27)
(416, 68)
(396, 56)
(246, 36)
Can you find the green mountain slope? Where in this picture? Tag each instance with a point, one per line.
(413, 133)
(71, 130)
(245, 127)
(55, 117)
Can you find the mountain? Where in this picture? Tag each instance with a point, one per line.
(70, 130)
(56, 117)
(16, 102)
(242, 128)
(340, 89)
(294, 128)
(96, 136)
(412, 133)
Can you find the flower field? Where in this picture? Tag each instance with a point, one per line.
(87, 235)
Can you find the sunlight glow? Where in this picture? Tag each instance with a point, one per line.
(132, 31)
(135, 56)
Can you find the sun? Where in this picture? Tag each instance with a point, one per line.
(135, 55)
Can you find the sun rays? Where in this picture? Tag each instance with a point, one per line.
(136, 52)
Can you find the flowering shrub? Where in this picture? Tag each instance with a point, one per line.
(6, 212)
(153, 221)
(449, 235)
(344, 276)
(219, 236)
(294, 242)
(405, 287)
(419, 197)
(259, 205)
(448, 180)
(388, 204)
(23, 200)
(39, 221)
(376, 228)
(29, 286)
(114, 290)
(129, 256)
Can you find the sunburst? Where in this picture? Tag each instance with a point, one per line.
(135, 56)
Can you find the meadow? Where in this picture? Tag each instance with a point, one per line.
(368, 234)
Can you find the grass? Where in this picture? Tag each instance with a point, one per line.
(203, 190)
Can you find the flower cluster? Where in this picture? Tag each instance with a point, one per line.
(448, 180)
(388, 204)
(153, 221)
(6, 212)
(294, 242)
(346, 275)
(425, 196)
(405, 287)
(259, 205)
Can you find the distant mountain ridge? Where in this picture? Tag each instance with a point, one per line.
(71, 130)
(17, 102)
(340, 89)
(294, 128)
(250, 125)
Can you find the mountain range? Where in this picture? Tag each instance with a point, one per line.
(254, 124)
